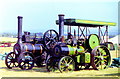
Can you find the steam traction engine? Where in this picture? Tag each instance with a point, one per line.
(65, 54)
(74, 52)
(26, 51)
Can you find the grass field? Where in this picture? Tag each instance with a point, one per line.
(42, 72)
(7, 39)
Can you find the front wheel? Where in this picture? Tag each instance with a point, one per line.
(52, 64)
(11, 60)
(66, 63)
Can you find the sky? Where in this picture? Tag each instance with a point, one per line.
(40, 15)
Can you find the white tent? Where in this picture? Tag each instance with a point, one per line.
(115, 40)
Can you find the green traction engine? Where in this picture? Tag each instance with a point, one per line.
(74, 53)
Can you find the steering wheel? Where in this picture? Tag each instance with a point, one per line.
(50, 39)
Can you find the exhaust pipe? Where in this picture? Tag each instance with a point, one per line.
(19, 29)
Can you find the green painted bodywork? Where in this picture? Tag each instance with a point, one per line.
(73, 50)
(85, 58)
(86, 23)
(78, 58)
(80, 50)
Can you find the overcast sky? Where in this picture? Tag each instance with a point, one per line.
(40, 15)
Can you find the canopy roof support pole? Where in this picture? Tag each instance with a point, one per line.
(107, 34)
(78, 32)
(86, 32)
(102, 36)
(99, 33)
(70, 29)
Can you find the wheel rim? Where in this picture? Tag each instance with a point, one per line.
(11, 60)
(100, 58)
(109, 45)
(66, 64)
(52, 64)
(50, 38)
(27, 62)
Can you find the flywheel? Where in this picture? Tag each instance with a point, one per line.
(92, 42)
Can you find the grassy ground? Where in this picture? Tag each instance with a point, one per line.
(42, 72)
(5, 50)
(7, 39)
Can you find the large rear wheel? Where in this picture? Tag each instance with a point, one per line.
(26, 61)
(100, 57)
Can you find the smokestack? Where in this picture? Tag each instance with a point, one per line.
(19, 29)
(61, 25)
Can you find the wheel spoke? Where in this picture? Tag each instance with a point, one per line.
(48, 43)
(55, 37)
(50, 34)
(105, 56)
(97, 56)
(70, 61)
(98, 62)
(65, 61)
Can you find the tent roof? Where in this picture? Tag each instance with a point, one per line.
(86, 23)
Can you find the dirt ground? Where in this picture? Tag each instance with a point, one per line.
(42, 72)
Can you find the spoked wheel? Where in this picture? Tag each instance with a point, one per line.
(11, 60)
(100, 58)
(40, 61)
(26, 61)
(66, 63)
(52, 64)
(50, 38)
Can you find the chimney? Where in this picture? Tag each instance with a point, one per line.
(61, 27)
(19, 29)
